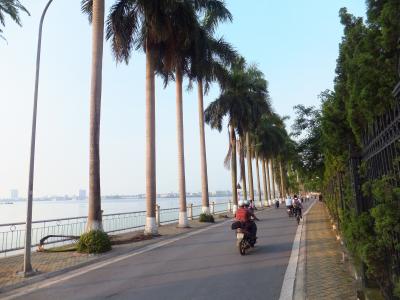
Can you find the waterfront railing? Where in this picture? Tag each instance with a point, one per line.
(12, 235)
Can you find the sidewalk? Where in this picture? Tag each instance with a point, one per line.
(46, 263)
(326, 277)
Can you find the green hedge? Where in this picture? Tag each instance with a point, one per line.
(208, 218)
(370, 236)
(94, 241)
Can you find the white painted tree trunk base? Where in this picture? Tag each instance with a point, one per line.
(183, 220)
(94, 225)
(151, 227)
(234, 208)
(205, 210)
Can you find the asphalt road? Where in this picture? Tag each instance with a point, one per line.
(203, 266)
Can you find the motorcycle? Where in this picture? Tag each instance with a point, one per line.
(289, 212)
(244, 240)
(297, 215)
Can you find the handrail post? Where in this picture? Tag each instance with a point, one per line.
(190, 212)
(158, 215)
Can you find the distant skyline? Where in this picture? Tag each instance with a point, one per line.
(295, 43)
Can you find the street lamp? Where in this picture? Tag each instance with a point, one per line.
(28, 233)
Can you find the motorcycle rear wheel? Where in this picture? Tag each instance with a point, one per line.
(242, 247)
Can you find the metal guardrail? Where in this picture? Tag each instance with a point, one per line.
(12, 235)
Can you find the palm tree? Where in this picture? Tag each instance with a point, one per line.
(259, 90)
(265, 178)
(95, 9)
(160, 28)
(11, 8)
(208, 61)
(189, 52)
(241, 150)
(270, 140)
(240, 101)
(258, 177)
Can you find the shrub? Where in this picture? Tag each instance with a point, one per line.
(208, 218)
(94, 241)
(397, 289)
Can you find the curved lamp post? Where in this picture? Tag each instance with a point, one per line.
(28, 233)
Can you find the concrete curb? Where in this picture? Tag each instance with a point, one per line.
(293, 286)
(300, 281)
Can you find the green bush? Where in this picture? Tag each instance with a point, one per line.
(94, 241)
(397, 289)
(370, 235)
(208, 218)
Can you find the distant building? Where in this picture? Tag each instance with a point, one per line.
(82, 195)
(14, 195)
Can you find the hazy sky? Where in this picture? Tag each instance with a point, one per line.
(295, 43)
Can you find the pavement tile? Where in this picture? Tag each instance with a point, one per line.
(326, 276)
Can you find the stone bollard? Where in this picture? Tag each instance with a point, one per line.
(158, 215)
(190, 211)
(229, 206)
(212, 207)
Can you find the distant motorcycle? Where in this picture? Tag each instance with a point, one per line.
(297, 215)
(290, 212)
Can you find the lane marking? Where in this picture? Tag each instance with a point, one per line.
(290, 274)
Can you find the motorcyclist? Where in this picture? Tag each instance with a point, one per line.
(246, 217)
(251, 206)
(289, 204)
(297, 205)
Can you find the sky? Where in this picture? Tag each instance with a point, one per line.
(295, 44)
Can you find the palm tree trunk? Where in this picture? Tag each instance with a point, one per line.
(203, 156)
(183, 220)
(94, 215)
(282, 185)
(273, 179)
(249, 167)
(150, 227)
(258, 180)
(269, 182)
(243, 169)
(233, 169)
(264, 181)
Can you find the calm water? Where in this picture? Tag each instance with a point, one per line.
(43, 210)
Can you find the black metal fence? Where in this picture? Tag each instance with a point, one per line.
(381, 144)
(378, 159)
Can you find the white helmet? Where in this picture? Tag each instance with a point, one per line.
(241, 203)
(246, 202)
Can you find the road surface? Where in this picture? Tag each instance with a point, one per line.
(206, 265)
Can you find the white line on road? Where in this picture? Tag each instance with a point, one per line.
(72, 274)
(290, 274)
